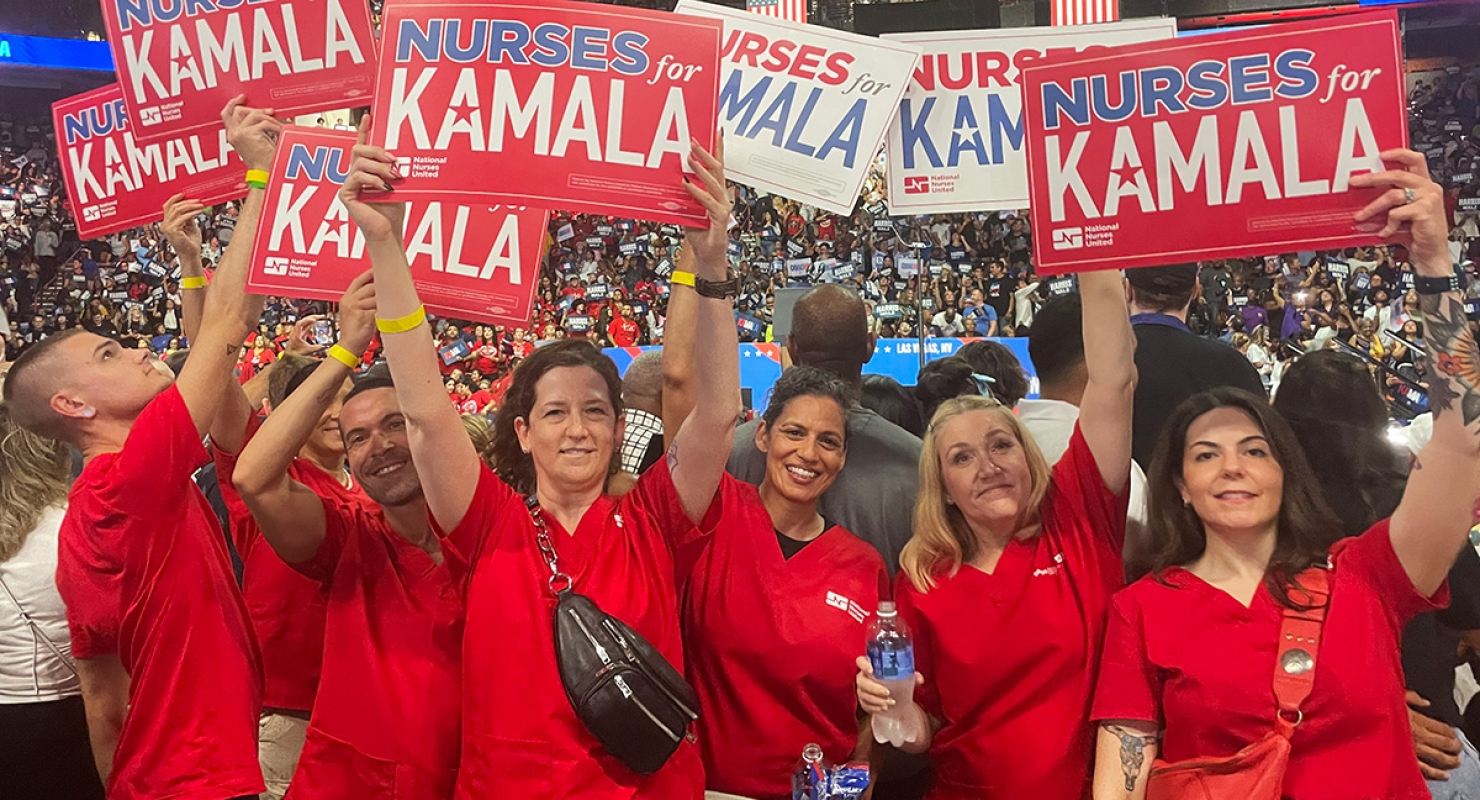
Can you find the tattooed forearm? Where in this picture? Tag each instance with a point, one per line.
(1132, 753)
(673, 457)
(1454, 383)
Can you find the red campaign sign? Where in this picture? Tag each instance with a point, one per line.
(180, 61)
(476, 262)
(552, 104)
(115, 183)
(1212, 146)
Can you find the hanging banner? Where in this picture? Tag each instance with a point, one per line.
(957, 143)
(1214, 146)
(553, 104)
(477, 262)
(804, 108)
(180, 61)
(115, 183)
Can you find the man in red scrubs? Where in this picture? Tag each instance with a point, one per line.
(170, 673)
(385, 720)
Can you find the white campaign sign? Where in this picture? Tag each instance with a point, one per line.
(804, 108)
(957, 143)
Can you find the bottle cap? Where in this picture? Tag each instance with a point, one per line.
(886, 608)
(812, 753)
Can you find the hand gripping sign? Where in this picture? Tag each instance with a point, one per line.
(957, 143)
(804, 108)
(476, 261)
(116, 183)
(553, 104)
(1214, 146)
(180, 61)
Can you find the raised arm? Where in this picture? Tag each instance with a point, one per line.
(229, 312)
(1110, 359)
(440, 447)
(1437, 510)
(183, 234)
(290, 515)
(705, 429)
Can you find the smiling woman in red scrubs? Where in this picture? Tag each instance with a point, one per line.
(1007, 580)
(555, 440)
(775, 596)
(1237, 518)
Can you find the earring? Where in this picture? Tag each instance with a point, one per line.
(89, 413)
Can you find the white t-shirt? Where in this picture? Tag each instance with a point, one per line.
(1024, 307)
(1051, 422)
(30, 672)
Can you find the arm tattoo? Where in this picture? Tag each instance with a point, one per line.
(1455, 381)
(673, 457)
(232, 348)
(1132, 752)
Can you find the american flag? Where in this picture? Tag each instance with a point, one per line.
(794, 10)
(1084, 12)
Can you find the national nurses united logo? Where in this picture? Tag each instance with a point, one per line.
(275, 265)
(1068, 238)
(844, 604)
(917, 184)
(150, 116)
(92, 213)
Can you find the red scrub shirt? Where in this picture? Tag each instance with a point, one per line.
(1186, 655)
(520, 737)
(1009, 658)
(771, 642)
(385, 724)
(286, 609)
(143, 569)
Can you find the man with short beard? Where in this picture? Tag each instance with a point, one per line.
(385, 721)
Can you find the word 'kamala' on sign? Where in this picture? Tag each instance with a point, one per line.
(116, 183)
(804, 108)
(1212, 147)
(553, 104)
(957, 143)
(180, 61)
(468, 261)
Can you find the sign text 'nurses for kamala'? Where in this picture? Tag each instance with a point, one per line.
(476, 261)
(1215, 146)
(957, 143)
(804, 108)
(552, 104)
(180, 61)
(116, 183)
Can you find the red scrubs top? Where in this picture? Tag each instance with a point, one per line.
(286, 609)
(385, 724)
(142, 566)
(1188, 656)
(1009, 658)
(770, 642)
(520, 737)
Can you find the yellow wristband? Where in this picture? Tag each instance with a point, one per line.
(198, 282)
(257, 178)
(344, 357)
(682, 278)
(402, 324)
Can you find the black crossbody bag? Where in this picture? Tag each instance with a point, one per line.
(623, 690)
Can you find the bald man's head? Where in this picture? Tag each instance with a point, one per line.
(642, 386)
(829, 330)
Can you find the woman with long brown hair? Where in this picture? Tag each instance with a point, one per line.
(43, 727)
(1008, 578)
(1244, 583)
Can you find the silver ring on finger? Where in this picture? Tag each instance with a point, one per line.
(1408, 195)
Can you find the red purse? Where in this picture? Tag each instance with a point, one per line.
(1257, 772)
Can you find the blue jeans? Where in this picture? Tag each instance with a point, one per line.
(1464, 782)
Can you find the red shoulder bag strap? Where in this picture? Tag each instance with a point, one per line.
(1300, 641)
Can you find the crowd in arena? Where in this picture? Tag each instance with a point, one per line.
(1097, 579)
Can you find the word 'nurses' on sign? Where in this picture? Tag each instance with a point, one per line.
(477, 262)
(552, 104)
(116, 183)
(804, 109)
(1214, 146)
(957, 143)
(180, 61)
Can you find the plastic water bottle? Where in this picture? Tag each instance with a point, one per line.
(809, 780)
(891, 651)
